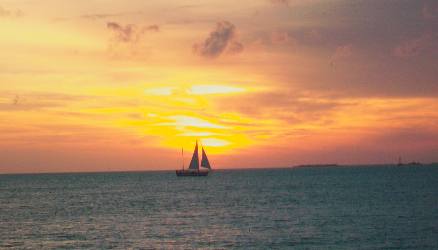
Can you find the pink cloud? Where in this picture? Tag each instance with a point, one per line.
(343, 51)
(416, 46)
(430, 10)
(280, 37)
(284, 2)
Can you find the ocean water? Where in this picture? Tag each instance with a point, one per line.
(300, 208)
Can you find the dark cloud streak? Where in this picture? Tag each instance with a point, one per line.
(129, 33)
(10, 13)
(37, 101)
(99, 16)
(223, 37)
(417, 46)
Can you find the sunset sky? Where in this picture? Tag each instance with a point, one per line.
(98, 85)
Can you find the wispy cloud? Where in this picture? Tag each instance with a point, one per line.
(183, 121)
(281, 2)
(129, 33)
(214, 89)
(280, 37)
(160, 91)
(430, 10)
(10, 13)
(222, 38)
(153, 27)
(341, 53)
(100, 16)
(281, 105)
(194, 90)
(126, 40)
(36, 101)
(416, 46)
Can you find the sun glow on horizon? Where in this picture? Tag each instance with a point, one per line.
(128, 82)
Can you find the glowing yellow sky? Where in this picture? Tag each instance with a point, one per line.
(123, 85)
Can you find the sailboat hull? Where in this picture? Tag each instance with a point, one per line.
(191, 173)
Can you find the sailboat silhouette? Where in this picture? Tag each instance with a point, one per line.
(194, 169)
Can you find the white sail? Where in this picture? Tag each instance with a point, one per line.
(194, 163)
(204, 162)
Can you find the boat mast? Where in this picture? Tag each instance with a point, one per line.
(182, 155)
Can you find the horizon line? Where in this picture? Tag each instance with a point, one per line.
(222, 169)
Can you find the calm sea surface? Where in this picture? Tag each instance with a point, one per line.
(302, 208)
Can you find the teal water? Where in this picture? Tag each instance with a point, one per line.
(301, 208)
